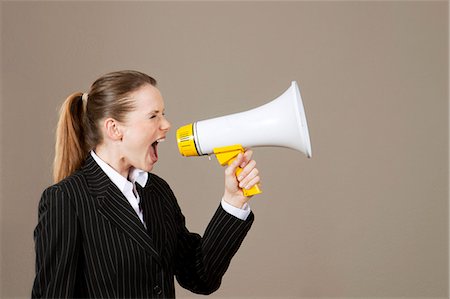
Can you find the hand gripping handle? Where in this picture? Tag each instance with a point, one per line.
(226, 155)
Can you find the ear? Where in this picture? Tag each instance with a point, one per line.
(112, 129)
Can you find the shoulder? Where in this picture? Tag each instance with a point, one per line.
(69, 188)
(158, 182)
(160, 186)
(71, 184)
(162, 190)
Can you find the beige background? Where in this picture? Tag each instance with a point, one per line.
(367, 216)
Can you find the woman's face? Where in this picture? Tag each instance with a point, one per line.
(144, 128)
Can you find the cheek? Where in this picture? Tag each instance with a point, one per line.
(141, 135)
(149, 133)
(143, 143)
(145, 136)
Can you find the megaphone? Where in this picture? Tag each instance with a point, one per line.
(279, 123)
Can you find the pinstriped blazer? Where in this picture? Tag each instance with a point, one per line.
(90, 243)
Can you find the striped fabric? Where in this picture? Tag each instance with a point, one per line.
(90, 242)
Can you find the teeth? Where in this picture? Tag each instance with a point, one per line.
(161, 140)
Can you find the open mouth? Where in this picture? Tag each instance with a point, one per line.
(155, 148)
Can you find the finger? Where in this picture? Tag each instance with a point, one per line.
(247, 169)
(252, 183)
(246, 158)
(231, 169)
(247, 179)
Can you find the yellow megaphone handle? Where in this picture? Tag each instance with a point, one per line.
(226, 155)
(248, 192)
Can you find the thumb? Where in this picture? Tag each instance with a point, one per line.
(235, 164)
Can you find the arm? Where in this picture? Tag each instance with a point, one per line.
(204, 261)
(57, 246)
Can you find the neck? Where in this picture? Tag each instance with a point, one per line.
(113, 159)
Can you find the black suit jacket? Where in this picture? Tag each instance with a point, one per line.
(91, 244)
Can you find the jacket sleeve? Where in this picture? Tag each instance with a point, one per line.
(202, 262)
(57, 245)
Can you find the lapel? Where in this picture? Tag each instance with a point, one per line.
(153, 212)
(113, 205)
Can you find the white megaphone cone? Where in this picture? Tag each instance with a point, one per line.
(279, 123)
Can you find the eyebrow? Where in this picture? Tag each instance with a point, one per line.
(156, 111)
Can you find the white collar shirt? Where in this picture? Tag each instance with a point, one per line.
(127, 187)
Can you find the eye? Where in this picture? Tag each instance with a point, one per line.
(156, 114)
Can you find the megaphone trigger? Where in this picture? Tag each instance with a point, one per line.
(226, 155)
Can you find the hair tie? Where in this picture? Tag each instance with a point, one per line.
(84, 98)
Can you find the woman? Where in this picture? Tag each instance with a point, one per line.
(108, 227)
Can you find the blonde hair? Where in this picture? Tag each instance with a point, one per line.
(78, 129)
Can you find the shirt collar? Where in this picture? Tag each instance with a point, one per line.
(135, 175)
(138, 175)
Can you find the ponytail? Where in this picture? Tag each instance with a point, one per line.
(78, 129)
(70, 147)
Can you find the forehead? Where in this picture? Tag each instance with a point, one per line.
(148, 97)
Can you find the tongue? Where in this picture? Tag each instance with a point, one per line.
(154, 151)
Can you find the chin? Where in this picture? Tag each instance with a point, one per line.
(148, 167)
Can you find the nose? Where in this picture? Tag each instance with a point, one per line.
(165, 124)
